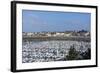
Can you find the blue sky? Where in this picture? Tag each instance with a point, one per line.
(39, 21)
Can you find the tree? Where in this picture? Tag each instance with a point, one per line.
(72, 54)
(86, 54)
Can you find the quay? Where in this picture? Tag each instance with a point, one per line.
(46, 38)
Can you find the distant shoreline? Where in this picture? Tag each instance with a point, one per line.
(46, 38)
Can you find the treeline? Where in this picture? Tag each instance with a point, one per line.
(73, 54)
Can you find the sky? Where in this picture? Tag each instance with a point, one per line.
(51, 21)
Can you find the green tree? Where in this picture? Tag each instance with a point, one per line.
(72, 54)
(86, 54)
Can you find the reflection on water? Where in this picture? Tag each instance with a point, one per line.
(53, 50)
